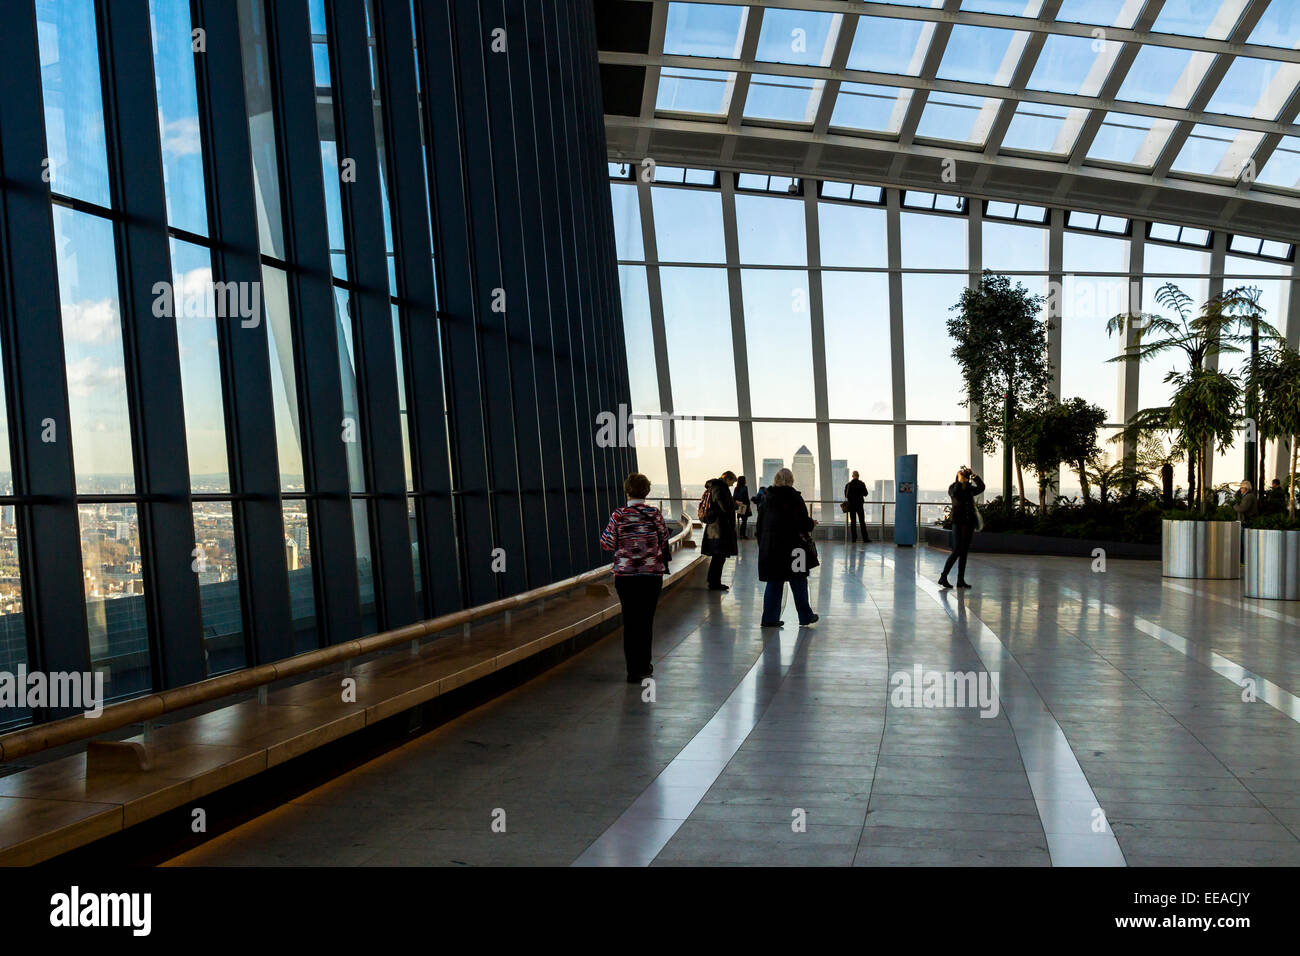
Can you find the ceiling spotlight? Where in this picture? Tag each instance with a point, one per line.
(622, 169)
(793, 188)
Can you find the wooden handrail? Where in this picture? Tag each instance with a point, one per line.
(57, 733)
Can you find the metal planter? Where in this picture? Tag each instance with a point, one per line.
(1272, 565)
(1201, 549)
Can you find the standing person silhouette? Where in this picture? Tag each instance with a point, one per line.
(963, 493)
(855, 495)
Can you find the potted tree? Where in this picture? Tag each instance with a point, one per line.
(1272, 546)
(1206, 542)
(1001, 338)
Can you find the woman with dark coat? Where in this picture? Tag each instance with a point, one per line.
(785, 551)
(720, 528)
(963, 493)
(743, 506)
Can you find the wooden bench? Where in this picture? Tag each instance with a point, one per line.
(68, 802)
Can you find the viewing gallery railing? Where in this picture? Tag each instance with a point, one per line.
(69, 730)
(830, 505)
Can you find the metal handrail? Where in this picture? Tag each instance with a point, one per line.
(57, 733)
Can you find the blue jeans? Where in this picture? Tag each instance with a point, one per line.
(772, 600)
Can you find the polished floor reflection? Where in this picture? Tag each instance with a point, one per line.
(1053, 715)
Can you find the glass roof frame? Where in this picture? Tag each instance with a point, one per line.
(796, 83)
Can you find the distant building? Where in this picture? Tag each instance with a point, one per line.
(805, 472)
(885, 492)
(839, 478)
(770, 467)
(291, 553)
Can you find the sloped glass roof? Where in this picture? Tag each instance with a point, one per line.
(1187, 88)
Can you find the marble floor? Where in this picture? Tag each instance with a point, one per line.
(1055, 714)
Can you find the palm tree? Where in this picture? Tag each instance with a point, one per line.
(1204, 411)
(1275, 378)
(1221, 324)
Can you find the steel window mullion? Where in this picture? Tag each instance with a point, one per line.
(151, 354)
(316, 347)
(371, 318)
(48, 537)
(550, 327)
(244, 352)
(410, 207)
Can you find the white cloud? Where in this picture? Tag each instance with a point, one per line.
(86, 375)
(181, 137)
(92, 323)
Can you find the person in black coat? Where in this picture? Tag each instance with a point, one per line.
(855, 495)
(963, 493)
(785, 550)
(743, 506)
(720, 528)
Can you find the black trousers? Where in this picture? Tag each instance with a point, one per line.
(857, 519)
(639, 595)
(744, 525)
(961, 535)
(715, 569)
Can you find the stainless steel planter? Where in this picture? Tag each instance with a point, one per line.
(1272, 565)
(1201, 549)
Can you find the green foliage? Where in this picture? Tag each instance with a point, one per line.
(1279, 521)
(1002, 349)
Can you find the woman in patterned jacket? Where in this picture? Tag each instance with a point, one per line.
(638, 536)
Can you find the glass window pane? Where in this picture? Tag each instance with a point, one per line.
(890, 45)
(1279, 26)
(981, 54)
(771, 231)
(1109, 13)
(1283, 167)
(115, 613)
(688, 225)
(1087, 303)
(778, 341)
(216, 565)
(1212, 19)
(855, 308)
(704, 29)
(933, 241)
(1073, 65)
(697, 323)
(284, 380)
(797, 36)
(259, 100)
(627, 221)
(74, 103)
(794, 445)
(851, 235)
(868, 450)
(196, 338)
(92, 345)
(178, 115)
(638, 336)
(1164, 76)
(867, 107)
(1130, 138)
(706, 450)
(1216, 151)
(940, 450)
(790, 99)
(683, 90)
(1043, 128)
(302, 595)
(1009, 248)
(1253, 87)
(957, 117)
(934, 384)
(1188, 269)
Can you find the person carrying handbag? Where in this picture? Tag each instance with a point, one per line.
(719, 527)
(786, 550)
(743, 506)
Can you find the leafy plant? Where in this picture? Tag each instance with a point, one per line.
(1220, 325)
(1275, 378)
(1001, 348)
(1204, 412)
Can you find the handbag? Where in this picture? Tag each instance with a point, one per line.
(844, 506)
(810, 548)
